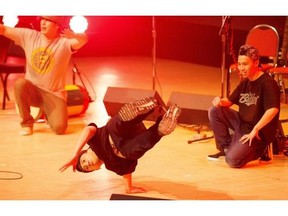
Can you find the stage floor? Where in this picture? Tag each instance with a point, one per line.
(173, 169)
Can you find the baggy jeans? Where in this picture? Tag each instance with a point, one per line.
(222, 121)
(55, 109)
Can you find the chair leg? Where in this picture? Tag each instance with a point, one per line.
(270, 151)
(5, 91)
(282, 86)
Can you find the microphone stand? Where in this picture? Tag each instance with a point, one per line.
(201, 139)
(153, 53)
(76, 71)
(224, 30)
(223, 33)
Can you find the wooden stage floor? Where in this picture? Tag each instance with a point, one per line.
(173, 169)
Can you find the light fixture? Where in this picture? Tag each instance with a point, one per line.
(78, 24)
(10, 21)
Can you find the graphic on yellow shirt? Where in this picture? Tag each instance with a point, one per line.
(42, 60)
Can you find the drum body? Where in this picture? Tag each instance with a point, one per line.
(77, 100)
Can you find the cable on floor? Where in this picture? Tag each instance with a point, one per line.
(17, 175)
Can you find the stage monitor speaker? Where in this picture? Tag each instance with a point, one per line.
(115, 97)
(129, 197)
(194, 107)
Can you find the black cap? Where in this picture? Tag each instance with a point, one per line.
(78, 165)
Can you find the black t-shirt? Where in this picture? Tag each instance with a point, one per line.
(253, 99)
(100, 144)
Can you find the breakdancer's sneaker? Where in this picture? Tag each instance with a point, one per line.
(130, 111)
(169, 120)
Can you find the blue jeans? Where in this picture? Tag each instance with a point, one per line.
(222, 121)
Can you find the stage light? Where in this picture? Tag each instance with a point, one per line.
(78, 24)
(10, 21)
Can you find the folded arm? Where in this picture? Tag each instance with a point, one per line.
(224, 102)
(77, 40)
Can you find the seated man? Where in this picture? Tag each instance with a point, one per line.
(255, 123)
(123, 140)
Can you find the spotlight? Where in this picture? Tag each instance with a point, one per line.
(78, 24)
(10, 21)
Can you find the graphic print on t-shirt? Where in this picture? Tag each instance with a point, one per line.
(42, 60)
(248, 98)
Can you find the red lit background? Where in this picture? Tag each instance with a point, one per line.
(185, 38)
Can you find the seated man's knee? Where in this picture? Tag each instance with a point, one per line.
(212, 111)
(59, 128)
(233, 162)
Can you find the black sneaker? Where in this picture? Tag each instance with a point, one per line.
(169, 120)
(215, 157)
(130, 111)
(285, 152)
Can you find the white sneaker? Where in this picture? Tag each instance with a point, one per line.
(169, 120)
(25, 131)
(130, 111)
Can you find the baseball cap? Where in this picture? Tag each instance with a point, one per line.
(56, 19)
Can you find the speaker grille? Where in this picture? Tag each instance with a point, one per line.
(194, 107)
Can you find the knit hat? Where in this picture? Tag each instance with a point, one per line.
(78, 166)
(249, 51)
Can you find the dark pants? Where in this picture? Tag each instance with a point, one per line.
(132, 138)
(222, 120)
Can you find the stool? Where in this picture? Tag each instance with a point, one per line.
(279, 73)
